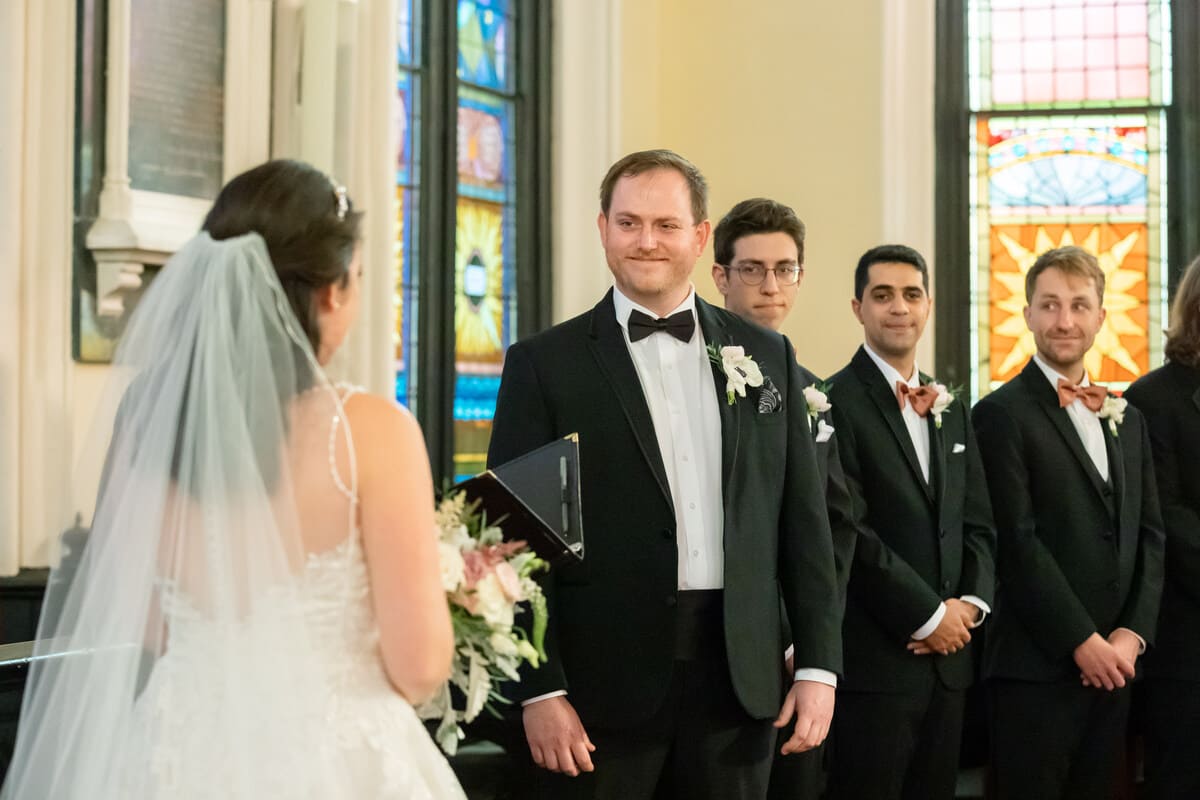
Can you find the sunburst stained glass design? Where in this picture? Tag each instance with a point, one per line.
(1086, 167)
(484, 28)
(1121, 352)
(1069, 53)
(479, 302)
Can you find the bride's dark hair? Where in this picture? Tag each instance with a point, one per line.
(309, 226)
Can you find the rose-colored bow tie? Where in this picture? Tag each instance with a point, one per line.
(920, 398)
(1092, 396)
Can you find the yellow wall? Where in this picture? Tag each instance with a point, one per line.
(779, 99)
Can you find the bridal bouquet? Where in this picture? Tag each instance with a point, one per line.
(485, 579)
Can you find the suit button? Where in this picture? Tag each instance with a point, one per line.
(1115, 586)
(667, 533)
(945, 586)
(1107, 534)
(670, 600)
(943, 533)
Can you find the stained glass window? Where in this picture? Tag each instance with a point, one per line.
(407, 127)
(485, 242)
(1067, 141)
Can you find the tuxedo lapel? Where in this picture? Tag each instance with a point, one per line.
(1116, 466)
(884, 398)
(715, 333)
(607, 342)
(1047, 399)
(937, 460)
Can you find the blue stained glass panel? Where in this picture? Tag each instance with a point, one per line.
(483, 43)
(1073, 165)
(405, 49)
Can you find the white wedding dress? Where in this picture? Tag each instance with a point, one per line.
(217, 638)
(369, 733)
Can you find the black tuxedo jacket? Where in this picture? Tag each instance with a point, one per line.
(1169, 399)
(612, 618)
(920, 543)
(1078, 554)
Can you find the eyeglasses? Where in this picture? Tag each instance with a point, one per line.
(755, 274)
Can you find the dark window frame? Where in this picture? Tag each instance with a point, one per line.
(952, 348)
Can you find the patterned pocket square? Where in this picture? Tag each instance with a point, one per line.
(769, 398)
(958, 447)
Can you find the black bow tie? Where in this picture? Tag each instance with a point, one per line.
(681, 325)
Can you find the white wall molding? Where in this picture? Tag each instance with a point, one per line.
(585, 140)
(247, 84)
(12, 137)
(906, 136)
(40, 201)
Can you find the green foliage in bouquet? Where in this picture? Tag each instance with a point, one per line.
(486, 579)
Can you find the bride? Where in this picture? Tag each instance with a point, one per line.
(259, 602)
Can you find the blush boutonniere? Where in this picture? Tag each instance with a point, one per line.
(739, 369)
(941, 402)
(1113, 410)
(817, 397)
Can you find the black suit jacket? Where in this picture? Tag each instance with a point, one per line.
(612, 618)
(1169, 398)
(1077, 555)
(920, 543)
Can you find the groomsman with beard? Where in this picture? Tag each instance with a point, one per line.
(1071, 477)
(759, 252)
(922, 575)
(702, 506)
(1169, 398)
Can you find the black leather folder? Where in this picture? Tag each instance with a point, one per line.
(536, 498)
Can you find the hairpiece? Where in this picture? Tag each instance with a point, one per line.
(343, 201)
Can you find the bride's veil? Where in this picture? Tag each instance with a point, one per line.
(196, 557)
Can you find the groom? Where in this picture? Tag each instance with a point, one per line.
(665, 643)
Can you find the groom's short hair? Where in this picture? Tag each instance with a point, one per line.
(635, 164)
(1070, 260)
(888, 254)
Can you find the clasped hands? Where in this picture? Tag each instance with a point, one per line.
(952, 633)
(1107, 663)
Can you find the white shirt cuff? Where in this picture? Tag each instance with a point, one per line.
(930, 626)
(984, 608)
(1141, 641)
(817, 676)
(541, 697)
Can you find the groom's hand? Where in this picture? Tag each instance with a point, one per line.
(812, 704)
(557, 740)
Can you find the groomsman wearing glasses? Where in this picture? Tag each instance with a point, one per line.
(923, 571)
(1071, 476)
(759, 252)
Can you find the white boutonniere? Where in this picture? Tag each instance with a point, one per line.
(739, 369)
(1113, 410)
(817, 398)
(940, 403)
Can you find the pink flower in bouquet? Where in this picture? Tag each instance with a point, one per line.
(510, 581)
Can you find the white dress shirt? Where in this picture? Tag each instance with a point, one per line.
(678, 385)
(1085, 421)
(918, 432)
